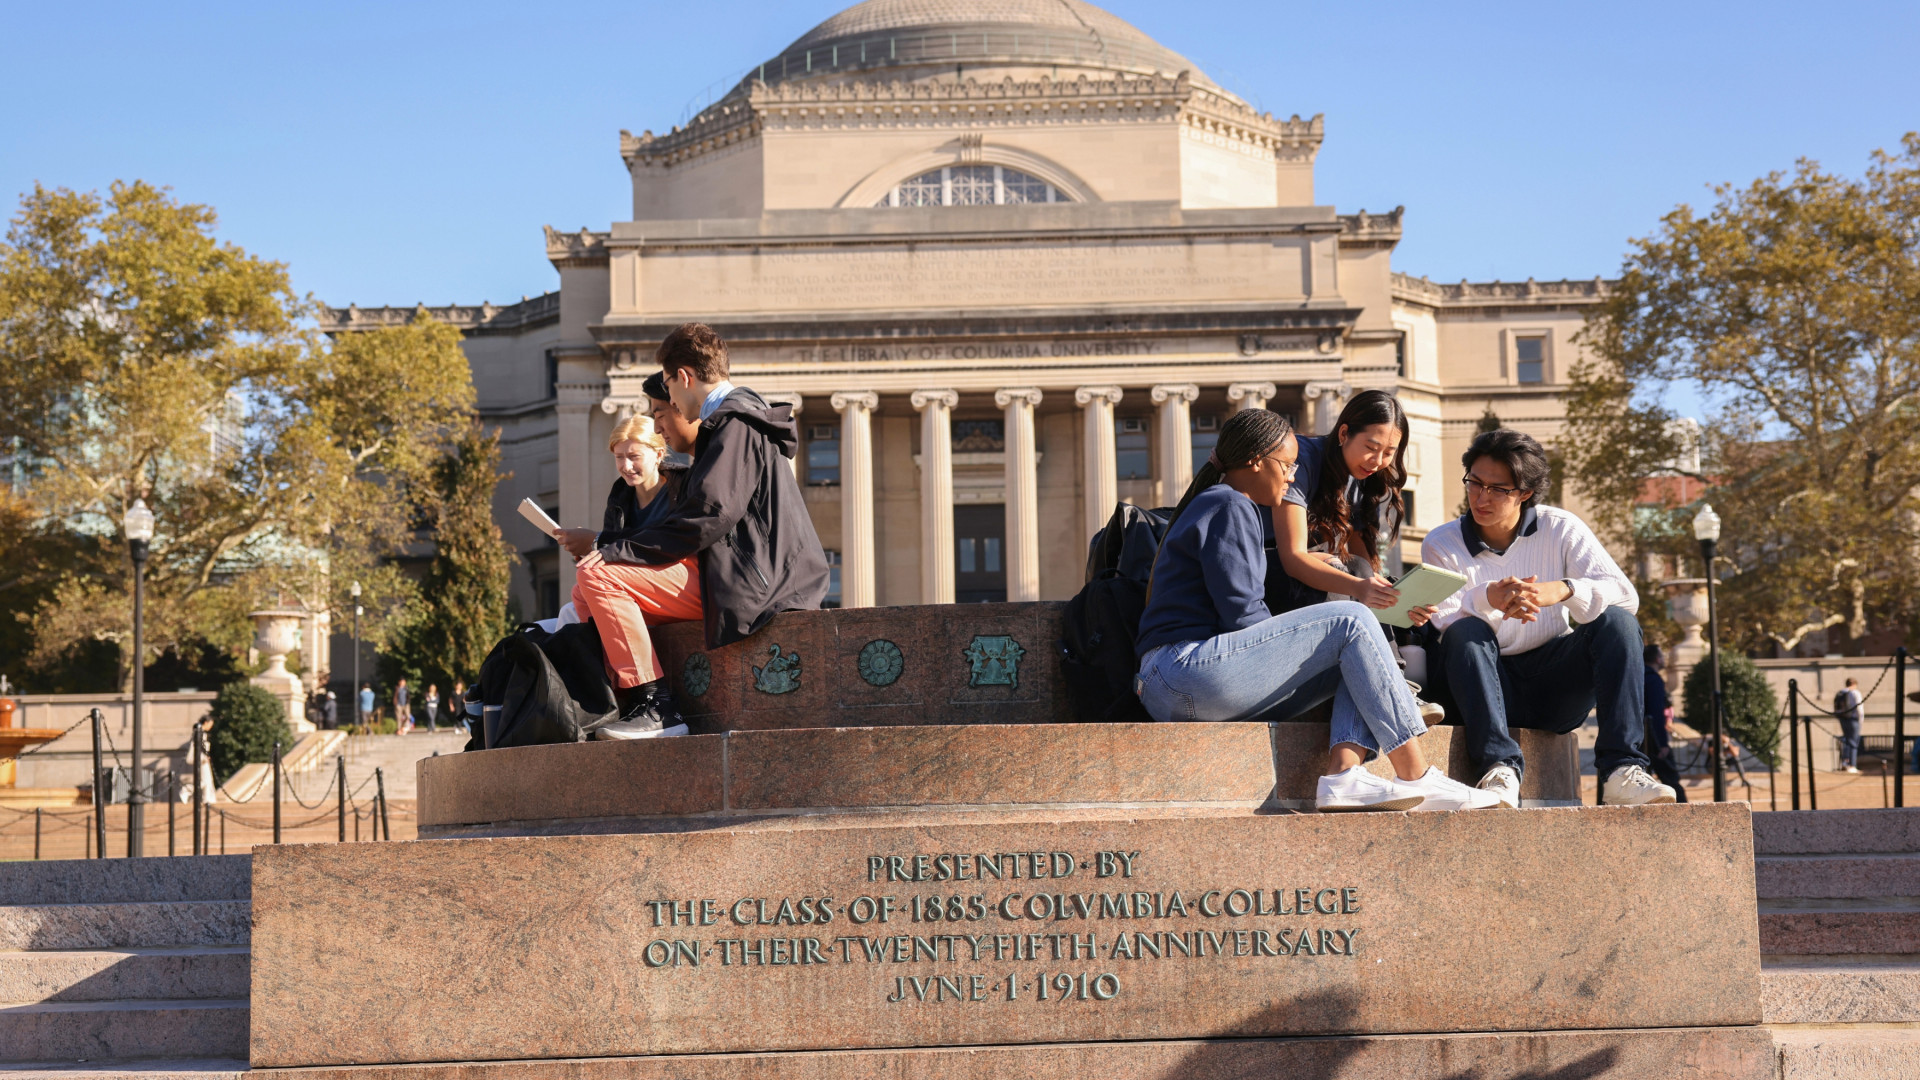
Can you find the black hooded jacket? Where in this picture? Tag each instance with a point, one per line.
(743, 514)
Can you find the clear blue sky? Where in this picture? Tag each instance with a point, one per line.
(393, 153)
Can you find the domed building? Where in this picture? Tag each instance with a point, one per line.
(1011, 261)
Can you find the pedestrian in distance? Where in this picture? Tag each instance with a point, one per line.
(1658, 708)
(431, 703)
(1847, 709)
(402, 715)
(366, 706)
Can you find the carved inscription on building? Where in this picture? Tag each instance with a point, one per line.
(1020, 927)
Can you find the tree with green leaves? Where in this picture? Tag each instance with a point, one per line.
(247, 722)
(461, 612)
(1749, 713)
(1794, 304)
(140, 357)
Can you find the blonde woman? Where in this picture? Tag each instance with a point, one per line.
(624, 596)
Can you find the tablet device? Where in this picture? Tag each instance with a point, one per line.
(1419, 587)
(532, 512)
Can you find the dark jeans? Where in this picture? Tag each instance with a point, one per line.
(1849, 739)
(1550, 688)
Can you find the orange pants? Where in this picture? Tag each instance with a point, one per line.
(624, 599)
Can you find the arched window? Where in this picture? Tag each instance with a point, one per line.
(972, 185)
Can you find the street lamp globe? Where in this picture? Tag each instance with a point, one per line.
(1706, 524)
(138, 522)
(355, 590)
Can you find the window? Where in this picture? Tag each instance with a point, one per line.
(553, 374)
(1407, 518)
(1131, 456)
(833, 581)
(1206, 435)
(1400, 353)
(823, 457)
(979, 436)
(1530, 354)
(972, 185)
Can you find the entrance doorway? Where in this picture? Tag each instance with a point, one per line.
(980, 551)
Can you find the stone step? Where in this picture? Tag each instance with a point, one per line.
(1848, 1054)
(108, 926)
(97, 1030)
(1867, 930)
(125, 881)
(1840, 992)
(145, 1069)
(1816, 876)
(125, 974)
(1837, 832)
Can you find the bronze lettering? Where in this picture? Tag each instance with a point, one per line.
(810, 953)
(681, 913)
(1259, 903)
(785, 915)
(1121, 950)
(1037, 863)
(754, 949)
(1324, 910)
(738, 918)
(874, 949)
(804, 911)
(875, 865)
(976, 988)
(657, 905)
(899, 990)
(1280, 906)
(1143, 903)
(1246, 902)
(1241, 943)
(825, 907)
(974, 941)
(964, 869)
(1175, 901)
(1116, 906)
(897, 868)
(1261, 946)
(1304, 946)
(1075, 945)
(1001, 943)
(1348, 934)
(665, 955)
(863, 914)
(710, 913)
(1219, 940)
(988, 864)
(1008, 908)
(949, 986)
(920, 986)
(1063, 865)
(1104, 864)
(1326, 942)
(1349, 900)
(688, 951)
(1047, 907)
(1147, 943)
(1127, 857)
(1204, 897)
(1300, 901)
(976, 907)
(1106, 987)
(928, 945)
(922, 867)
(902, 949)
(760, 906)
(1178, 941)
(888, 905)
(779, 951)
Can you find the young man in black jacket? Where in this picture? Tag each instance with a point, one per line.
(741, 513)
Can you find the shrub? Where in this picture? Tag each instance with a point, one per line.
(247, 721)
(1748, 707)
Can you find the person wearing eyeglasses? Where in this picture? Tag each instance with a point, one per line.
(1544, 631)
(1211, 650)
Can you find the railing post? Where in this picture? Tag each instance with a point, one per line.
(276, 791)
(98, 827)
(1900, 726)
(384, 824)
(199, 794)
(173, 802)
(36, 833)
(1793, 736)
(341, 761)
(1813, 793)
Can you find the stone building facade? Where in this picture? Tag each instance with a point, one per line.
(1011, 262)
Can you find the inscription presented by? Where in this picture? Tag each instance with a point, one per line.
(1019, 927)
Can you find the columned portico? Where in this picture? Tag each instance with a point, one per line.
(1176, 438)
(575, 407)
(1324, 401)
(856, 496)
(1250, 395)
(936, 493)
(1100, 484)
(1023, 492)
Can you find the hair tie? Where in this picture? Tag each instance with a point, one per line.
(1213, 459)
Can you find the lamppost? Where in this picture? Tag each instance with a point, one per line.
(138, 525)
(353, 692)
(1706, 529)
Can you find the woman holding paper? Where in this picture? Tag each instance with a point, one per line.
(1210, 649)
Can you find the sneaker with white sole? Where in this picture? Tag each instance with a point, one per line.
(1357, 789)
(648, 728)
(1431, 713)
(1445, 793)
(1629, 785)
(1504, 783)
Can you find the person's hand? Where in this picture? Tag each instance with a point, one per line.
(1420, 616)
(1375, 592)
(1514, 598)
(592, 559)
(578, 542)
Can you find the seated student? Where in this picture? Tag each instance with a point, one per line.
(742, 513)
(624, 598)
(679, 431)
(1210, 650)
(1544, 631)
(1328, 527)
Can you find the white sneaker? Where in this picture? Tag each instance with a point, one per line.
(637, 729)
(1629, 785)
(1852, 769)
(1358, 789)
(1504, 783)
(1445, 793)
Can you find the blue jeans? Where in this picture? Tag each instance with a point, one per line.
(1597, 668)
(1849, 739)
(1282, 667)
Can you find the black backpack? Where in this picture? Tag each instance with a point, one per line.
(538, 688)
(1096, 647)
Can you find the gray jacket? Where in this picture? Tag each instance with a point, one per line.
(742, 512)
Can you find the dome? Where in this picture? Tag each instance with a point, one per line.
(946, 34)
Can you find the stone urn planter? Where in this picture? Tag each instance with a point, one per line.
(1686, 605)
(276, 633)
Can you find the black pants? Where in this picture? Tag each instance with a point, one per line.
(1549, 688)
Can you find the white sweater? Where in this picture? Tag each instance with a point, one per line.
(1557, 546)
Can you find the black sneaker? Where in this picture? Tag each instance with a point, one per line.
(649, 714)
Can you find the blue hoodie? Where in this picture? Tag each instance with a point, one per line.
(1210, 577)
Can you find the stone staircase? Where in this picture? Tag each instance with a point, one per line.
(1839, 895)
(395, 755)
(125, 967)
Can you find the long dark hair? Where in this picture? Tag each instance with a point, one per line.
(1329, 519)
(1250, 435)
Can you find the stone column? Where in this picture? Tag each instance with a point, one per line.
(1175, 438)
(936, 493)
(1100, 485)
(575, 411)
(1250, 395)
(777, 397)
(856, 496)
(1023, 493)
(1323, 404)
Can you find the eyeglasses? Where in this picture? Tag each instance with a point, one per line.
(1288, 469)
(1474, 485)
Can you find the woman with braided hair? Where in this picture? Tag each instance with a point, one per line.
(1211, 650)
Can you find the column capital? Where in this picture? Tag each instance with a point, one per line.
(1240, 391)
(923, 398)
(1338, 391)
(1087, 395)
(866, 399)
(1187, 392)
(1008, 396)
(784, 397)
